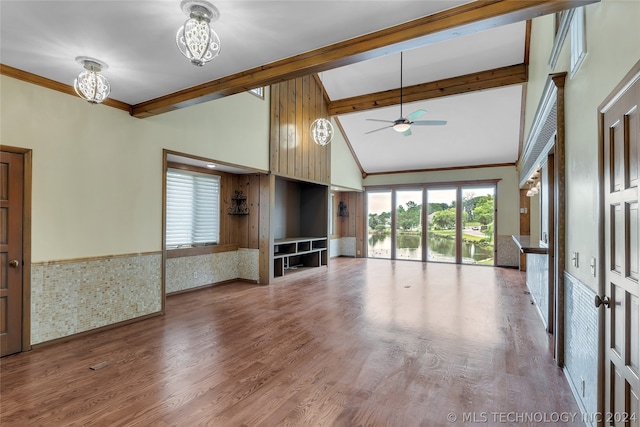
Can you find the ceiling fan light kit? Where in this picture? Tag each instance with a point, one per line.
(90, 84)
(402, 126)
(196, 40)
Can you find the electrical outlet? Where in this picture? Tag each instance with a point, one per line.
(592, 264)
(195, 274)
(574, 257)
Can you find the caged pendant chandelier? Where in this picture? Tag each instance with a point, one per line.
(322, 131)
(90, 84)
(196, 40)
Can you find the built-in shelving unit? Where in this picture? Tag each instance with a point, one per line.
(300, 226)
(291, 253)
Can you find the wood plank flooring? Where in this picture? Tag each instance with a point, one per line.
(363, 343)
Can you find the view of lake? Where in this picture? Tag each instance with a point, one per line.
(438, 249)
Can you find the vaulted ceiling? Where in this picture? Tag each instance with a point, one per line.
(463, 62)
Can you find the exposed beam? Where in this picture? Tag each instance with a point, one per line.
(466, 19)
(449, 168)
(52, 84)
(504, 76)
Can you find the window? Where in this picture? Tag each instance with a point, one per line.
(259, 92)
(193, 209)
(578, 40)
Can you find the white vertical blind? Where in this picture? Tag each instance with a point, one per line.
(193, 208)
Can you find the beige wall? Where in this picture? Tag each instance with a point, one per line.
(344, 169)
(97, 172)
(612, 49)
(508, 194)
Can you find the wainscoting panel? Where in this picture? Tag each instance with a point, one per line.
(248, 262)
(581, 343)
(196, 271)
(508, 253)
(343, 246)
(538, 283)
(69, 297)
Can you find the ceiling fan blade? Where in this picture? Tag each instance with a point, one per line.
(378, 120)
(376, 130)
(415, 115)
(429, 122)
(407, 132)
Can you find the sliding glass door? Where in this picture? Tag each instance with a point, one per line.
(478, 220)
(442, 233)
(379, 224)
(408, 224)
(459, 219)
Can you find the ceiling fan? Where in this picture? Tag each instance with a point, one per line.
(403, 124)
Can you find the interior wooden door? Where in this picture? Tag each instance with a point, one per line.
(621, 136)
(11, 198)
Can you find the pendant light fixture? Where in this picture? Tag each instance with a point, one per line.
(90, 84)
(196, 40)
(322, 131)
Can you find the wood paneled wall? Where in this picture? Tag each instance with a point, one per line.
(354, 224)
(295, 104)
(243, 229)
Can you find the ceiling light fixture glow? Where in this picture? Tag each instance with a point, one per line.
(322, 131)
(90, 84)
(402, 126)
(196, 40)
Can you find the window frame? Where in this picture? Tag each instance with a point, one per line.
(578, 30)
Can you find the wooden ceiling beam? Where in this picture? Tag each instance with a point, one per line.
(466, 19)
(490, 79)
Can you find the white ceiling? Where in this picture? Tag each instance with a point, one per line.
(137, 40)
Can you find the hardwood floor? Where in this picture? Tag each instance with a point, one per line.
(365, 342)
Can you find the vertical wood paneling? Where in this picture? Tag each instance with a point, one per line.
(313, 103)
(241, 221)
(253, 200)
(354, 224)
(274, 162)
(232, 221)
(307, 107)
(298, 149)
(225, 188)
(244, 229)
(267, 199)
(295, 104)
(282, 125)
(292, 131)
(326, 167)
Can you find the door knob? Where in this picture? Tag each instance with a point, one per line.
(602, 301)
(14, 263)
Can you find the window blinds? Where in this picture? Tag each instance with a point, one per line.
(193, 208)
